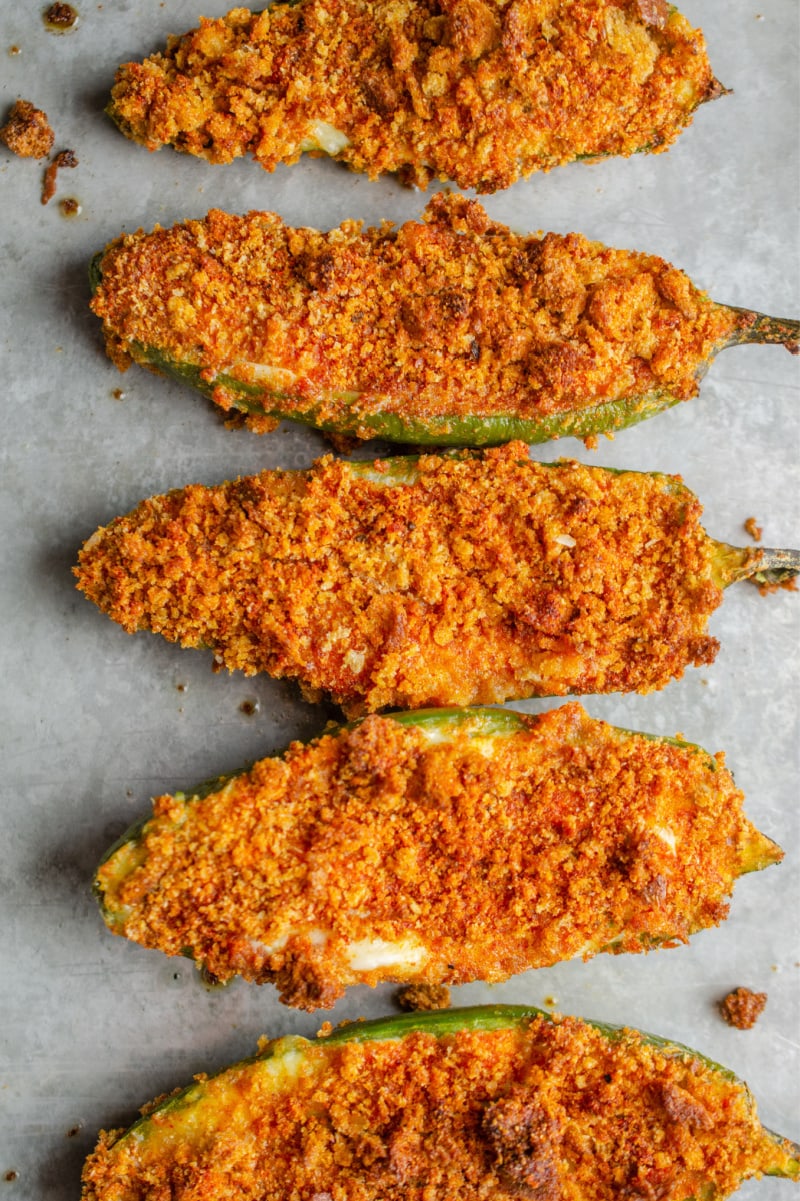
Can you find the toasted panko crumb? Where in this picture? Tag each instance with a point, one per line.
(549, 1110)
(467, 858)
(742, 1008)
(753, 529)
(64, 158)
(422, 997)
(27, 131)
(481, 92)
(413, 582)
(454, 316)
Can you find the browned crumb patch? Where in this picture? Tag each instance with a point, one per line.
(564, 839)
(61, 17)
(480, 579)
(785, 585)
(27, 131)
(753, 529)
(64, 158)
(549, 1111)
(422, 997)
(452, 316)
(742, 1008)
(477, 91)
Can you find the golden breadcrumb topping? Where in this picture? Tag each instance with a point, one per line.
(27, 131)
(478, 91)
(406, 583)
(451, 316)
(546, 1111)
(395, 852)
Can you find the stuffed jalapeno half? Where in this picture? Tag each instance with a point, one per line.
(499, 1102)
(450, 331)
(469, 578)
(443, 846)
(481, 92)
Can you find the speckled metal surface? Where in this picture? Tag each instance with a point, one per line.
(95, 722)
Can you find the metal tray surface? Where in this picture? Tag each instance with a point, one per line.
(94, 723)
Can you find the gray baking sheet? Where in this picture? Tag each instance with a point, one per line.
(95, 722)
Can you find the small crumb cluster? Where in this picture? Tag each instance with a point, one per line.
(27, 131)
(742, 1008)
(417, 998)
(28, 134)
(64, 158)
(753, 529)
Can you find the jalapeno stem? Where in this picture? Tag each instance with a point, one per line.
(759, 327)
(763, 565)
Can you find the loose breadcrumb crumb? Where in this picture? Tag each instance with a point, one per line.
(742, 1008)
(753, 529)
(783, 585)
(64, 158)
(27, 131)
(61, 17)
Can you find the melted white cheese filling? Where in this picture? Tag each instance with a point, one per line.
(325, 137)
(372, 954)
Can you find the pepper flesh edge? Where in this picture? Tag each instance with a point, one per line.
(589, 421)
(447, 1022)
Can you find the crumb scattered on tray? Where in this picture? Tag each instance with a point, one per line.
(416, 997)
(786, 585)
(742, 1008)
(61, 17)
(754, 529)
(27, 131)
(64, 158)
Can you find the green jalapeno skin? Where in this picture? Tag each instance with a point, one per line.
(189, 1119)
(255, 939)
(352, 420)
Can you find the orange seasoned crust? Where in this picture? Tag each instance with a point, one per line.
(405, 583)
(64, 158)
(481, 92)
(540, 1112)
(452, 316)
(379, 854)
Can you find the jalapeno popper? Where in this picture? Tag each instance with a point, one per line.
(449, 331)
(500, 1102)
(477, 91)
(443, 846)
(460, 579)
